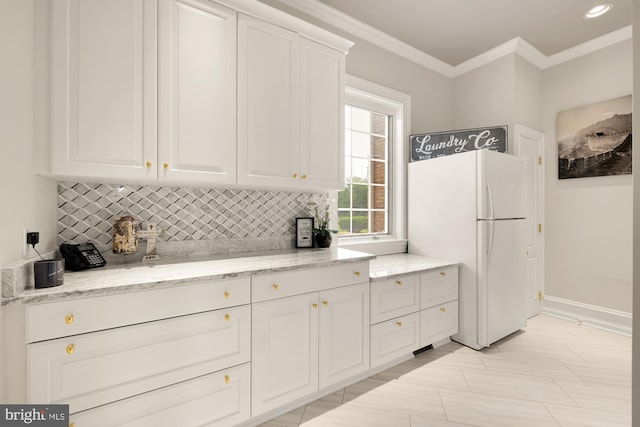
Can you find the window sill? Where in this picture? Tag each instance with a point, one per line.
(379, 246)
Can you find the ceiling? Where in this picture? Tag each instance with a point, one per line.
(454, 31)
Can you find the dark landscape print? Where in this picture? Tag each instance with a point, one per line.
(600, 148)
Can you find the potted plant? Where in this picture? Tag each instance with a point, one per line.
(319, 210)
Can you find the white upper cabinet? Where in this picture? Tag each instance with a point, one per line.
(103, 88)
(188, 91)
(321, 116)
(290, 108)
(267, 103)
(197, 92)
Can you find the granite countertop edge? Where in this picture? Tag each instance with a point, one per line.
(127, 278)
(387, 267)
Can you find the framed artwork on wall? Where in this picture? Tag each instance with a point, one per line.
(595, 140)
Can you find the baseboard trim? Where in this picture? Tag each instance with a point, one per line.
(603, 318)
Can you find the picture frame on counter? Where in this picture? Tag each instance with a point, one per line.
(304, 232)
(427, 146)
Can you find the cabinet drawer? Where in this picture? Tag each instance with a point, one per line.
(219, 399)
(394, 338)
(394, 297)
(438, 287)
(93, 369)
(438, 322)
(277, 285)
(59, 319)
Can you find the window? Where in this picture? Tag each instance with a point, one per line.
(362, 205)
(370, 209)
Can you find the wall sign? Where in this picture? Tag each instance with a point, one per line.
(437, 144)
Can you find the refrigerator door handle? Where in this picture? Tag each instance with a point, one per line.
(490, 240)
(490, 200)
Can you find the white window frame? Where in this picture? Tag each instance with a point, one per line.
(375, 97)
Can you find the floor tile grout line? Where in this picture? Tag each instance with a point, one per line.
(551, 415)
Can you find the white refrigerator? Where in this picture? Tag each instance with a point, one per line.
(470, 207)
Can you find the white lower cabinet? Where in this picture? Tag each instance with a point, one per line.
(220, 353)
(158, 357)
(395, 338)
(439, 305)
(219, 399)
(412, 311)
(93, 369)
(343, 337)
(438, 323)
(303, 343)
(394, 297)
(285, 351)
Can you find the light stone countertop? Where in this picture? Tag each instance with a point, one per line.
(389, 266)
(165, 273)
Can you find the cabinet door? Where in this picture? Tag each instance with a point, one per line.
(321, 116)
(267, 104)
(343, 333)
(197, 96)
(437, 287)
(394, 297)
(284, 360)
(438, 323)
(103, 88)
(394, 339)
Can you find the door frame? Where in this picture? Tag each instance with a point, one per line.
(519, 132)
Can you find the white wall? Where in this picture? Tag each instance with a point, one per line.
(28, 199)
(528, 102)
(588, 220)
(485, 96)
(431, 93)
(503, 92)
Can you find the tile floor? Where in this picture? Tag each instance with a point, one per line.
(552, 373)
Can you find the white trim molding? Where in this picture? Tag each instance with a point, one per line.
(586, 314)
(370, 95)
(517, 45)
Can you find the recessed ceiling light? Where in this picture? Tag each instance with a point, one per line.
(599, 10)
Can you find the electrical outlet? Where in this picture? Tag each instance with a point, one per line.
(27, 250)
(29, 238)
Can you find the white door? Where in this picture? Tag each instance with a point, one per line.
(103, 88)
(197, 92)
(284, 362)
(501, 279)
(500, 183)
(343, 333)
(529, 145)
(267, 104)
(321, 116)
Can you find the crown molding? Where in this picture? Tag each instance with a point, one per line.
(601, 42)
(517, 45)
(366, 32)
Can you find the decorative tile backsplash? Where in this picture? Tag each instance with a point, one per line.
(86, 211)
